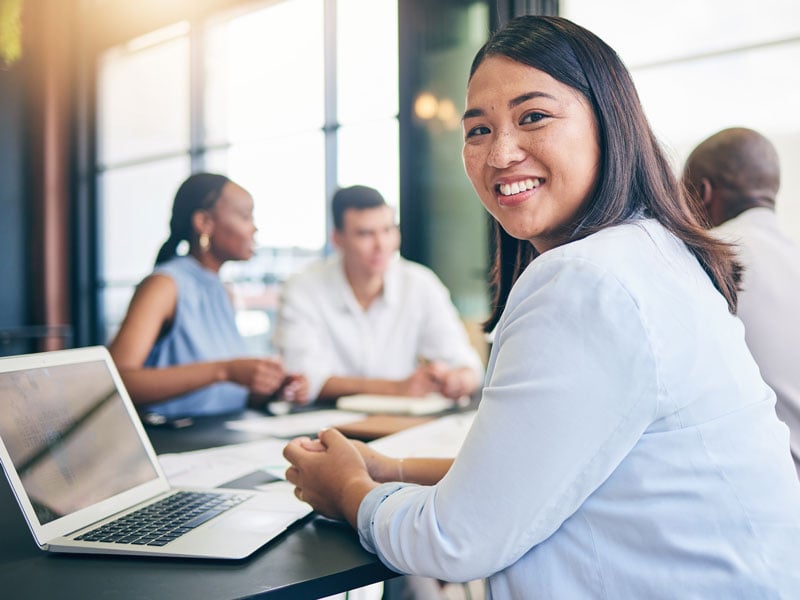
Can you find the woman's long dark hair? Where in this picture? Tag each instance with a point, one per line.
(634, 176)
(199, 192)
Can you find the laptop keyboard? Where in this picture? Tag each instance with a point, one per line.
(160, 523)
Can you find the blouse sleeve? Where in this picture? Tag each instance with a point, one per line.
(572, 385)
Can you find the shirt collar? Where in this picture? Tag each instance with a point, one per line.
(391, 286)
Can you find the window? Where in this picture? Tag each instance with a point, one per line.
(367, 96)
(248, 94)
(143, 154)
(701, 66)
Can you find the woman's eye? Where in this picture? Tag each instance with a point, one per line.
(480, 130)
(533, 117)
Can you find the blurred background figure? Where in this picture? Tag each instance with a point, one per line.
(368, 321)
(734, 177)
(178, 349)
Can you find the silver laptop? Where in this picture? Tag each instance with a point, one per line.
(80, 464)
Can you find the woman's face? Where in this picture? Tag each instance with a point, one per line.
(233, 234)
(531, 150)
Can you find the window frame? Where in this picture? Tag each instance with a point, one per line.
(200, 16)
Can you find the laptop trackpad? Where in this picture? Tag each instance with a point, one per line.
(251, 521)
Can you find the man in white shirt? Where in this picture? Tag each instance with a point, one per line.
(735, 175)
(366, 320)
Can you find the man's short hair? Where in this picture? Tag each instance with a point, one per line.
(357, 197)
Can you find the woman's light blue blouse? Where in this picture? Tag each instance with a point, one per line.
(625, 446)
(204, 329)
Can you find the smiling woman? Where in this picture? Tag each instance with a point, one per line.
(616, 452)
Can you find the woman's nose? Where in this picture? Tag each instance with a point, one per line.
(505, 150)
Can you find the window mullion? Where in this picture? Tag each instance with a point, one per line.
(197, 86)
(331, 116)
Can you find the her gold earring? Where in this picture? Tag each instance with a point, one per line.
(205, 242)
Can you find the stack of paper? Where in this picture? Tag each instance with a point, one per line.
(395, 405)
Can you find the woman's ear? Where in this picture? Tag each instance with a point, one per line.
(706, 192)
(202, 222)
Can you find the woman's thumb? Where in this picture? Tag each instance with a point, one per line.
(331, 437)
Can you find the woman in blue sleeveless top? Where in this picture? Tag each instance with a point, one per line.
(178, 349)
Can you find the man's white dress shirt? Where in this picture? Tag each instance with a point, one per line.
(322, 330)
(769, 307)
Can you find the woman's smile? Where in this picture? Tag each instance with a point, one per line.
(516, 192)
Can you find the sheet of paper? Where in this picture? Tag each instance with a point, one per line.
(215, 466)
(440, 438)
(303, 423)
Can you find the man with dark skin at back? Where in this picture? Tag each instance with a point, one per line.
(734, 177)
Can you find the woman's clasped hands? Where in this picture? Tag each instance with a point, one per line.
(333, 473)
(266, 377)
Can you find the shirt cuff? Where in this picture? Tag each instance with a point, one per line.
(367, 509)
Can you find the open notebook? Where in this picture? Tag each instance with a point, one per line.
(80, 463)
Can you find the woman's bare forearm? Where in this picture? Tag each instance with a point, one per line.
(150, 385)
(423, 471)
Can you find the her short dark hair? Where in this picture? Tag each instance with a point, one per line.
(634, 176)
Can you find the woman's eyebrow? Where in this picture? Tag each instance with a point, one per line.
(478, 112)
(472, 112)
(529, 96)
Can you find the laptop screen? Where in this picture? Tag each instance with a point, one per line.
(70, 437)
